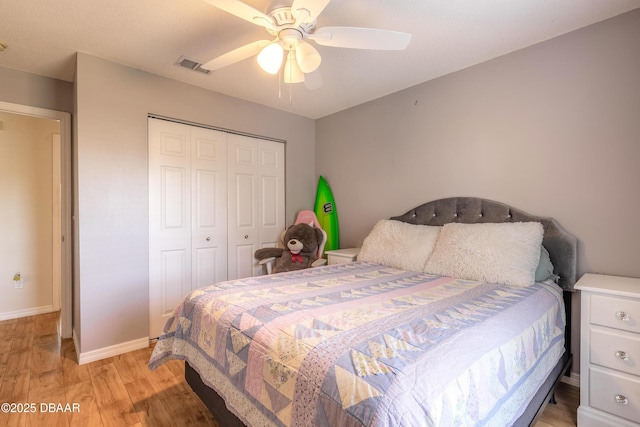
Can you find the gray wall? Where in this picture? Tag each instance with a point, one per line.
(553, 129)
(110, 143)
(23, 88)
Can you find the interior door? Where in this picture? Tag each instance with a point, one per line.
(187, 214)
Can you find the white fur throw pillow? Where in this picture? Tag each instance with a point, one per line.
(399, 244)
(504, 253)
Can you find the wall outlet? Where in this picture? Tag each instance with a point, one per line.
(17, 280)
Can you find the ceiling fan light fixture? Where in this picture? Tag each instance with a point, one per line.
(308, 57)
(270, 58)
(292, 73)
(293, 24)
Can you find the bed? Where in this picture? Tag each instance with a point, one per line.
(399, 337)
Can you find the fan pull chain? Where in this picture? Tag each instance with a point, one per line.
(280, 84)
(280, 80)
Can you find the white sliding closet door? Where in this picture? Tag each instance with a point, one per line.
(214, 198)
(256, 200)
(187, 214)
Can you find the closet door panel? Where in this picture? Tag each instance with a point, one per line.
(205, 202)
(269, 193)
(175, 272)
(245, 193)
(243, 258)
(271, 198)
(206, 269)
(209, 206)
(169, 220)
(173, 187)
(243, 199)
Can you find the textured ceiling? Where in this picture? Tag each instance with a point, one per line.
(448, 35)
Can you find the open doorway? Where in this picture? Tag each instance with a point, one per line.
(35, 213)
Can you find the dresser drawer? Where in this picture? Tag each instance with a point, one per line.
(615, 393)
(342, 256)
(615, 312)
(615, 349)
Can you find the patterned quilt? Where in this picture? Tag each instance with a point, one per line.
(368, 345)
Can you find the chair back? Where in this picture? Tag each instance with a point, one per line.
(304, 217)
(309, 217)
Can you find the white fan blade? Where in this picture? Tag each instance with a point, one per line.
(307, 10)
(244, 11)
(236, 55)
(313, 80)
(361, 38)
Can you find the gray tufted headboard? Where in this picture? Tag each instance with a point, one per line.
(561, 245)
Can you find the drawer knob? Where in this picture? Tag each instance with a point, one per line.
(622, 355)
(621, 315)
(621, 399)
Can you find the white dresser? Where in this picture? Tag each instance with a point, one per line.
(609, 351)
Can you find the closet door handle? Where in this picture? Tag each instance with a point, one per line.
(208, 239)
(246, 236)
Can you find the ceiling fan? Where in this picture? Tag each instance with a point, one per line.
(292, 25)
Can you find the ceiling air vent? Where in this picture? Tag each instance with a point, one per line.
(192, 65)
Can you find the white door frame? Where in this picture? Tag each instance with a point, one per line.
(64, 118)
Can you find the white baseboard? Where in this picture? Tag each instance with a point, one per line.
(114, 350)
(27, 312)
(573, 379)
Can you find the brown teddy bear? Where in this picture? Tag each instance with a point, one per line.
(302, 241)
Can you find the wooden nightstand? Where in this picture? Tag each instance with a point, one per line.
(342, 256)
(610, 351)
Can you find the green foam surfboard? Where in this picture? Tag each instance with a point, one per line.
(325, 210)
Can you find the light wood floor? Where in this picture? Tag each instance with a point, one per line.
(36, 367)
